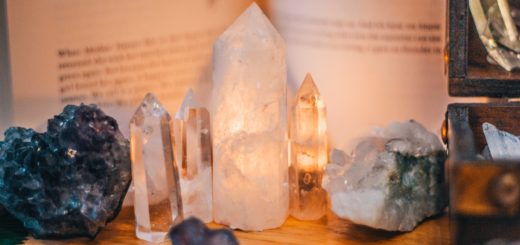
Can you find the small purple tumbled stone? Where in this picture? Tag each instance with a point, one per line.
(193, 232)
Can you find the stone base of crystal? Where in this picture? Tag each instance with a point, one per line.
(155, 237)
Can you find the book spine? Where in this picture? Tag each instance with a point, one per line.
(6, 99)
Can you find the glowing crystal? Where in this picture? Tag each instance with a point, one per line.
(308, 134)
(249, 123)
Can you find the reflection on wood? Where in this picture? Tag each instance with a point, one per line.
(329, 230)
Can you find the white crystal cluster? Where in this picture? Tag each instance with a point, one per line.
(501, 144)
(496, 22)
(392, 181)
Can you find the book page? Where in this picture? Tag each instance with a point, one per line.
(110, 52)
(374, 61)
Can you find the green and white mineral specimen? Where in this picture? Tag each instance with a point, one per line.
(393, 181)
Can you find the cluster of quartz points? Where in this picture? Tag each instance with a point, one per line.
(159, 178)
(173, 175)
(501, 145)
(69, 181)
(249, 130)
(393, 180)
(497, 24)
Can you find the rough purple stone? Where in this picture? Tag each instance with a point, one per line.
(69, 181)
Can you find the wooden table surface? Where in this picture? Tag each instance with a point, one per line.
(328, 230)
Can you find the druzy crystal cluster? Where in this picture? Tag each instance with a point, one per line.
(69, 181)
(193, 232)
(393, 180)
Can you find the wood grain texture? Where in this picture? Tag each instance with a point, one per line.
(479, 211)
(328, 230)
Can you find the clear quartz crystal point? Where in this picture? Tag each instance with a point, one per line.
(497, 23)
(308, 135)
(249, 123)
(194, 158)
(501, 144)
(157, 197)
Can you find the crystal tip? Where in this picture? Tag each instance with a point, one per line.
(308, 85)
(188, 102)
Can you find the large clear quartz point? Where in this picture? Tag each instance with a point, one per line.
(497, 24)
(249, 123)
(308, 135)
(501, 144)
(157, 197)
(194, 157)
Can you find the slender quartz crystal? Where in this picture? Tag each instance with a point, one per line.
(249, 123)
(193, 151)
(496, 22)
(308, 135)
(157, 197)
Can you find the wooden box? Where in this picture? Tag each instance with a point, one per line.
(484, 195)
(470, 74)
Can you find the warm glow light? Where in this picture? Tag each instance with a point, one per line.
(308, 128)
(249, 125)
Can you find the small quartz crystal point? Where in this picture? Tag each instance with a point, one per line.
(496, 22)
(192, 231)
(308, 135)
(69, 181)
(249, 123)
(501, 145)
(157, 197)
(393, 181)
(194, 158)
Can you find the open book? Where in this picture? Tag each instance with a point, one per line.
(374, 61)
